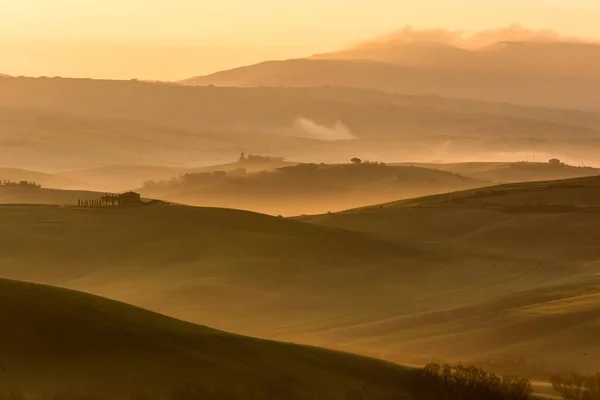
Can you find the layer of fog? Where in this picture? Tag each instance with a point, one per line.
(305, 127)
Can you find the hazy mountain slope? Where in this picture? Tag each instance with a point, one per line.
(126, 177)
(122, 177)
(307, 188)
(50, 140)
(572, 58)
(175, 105)
(55, 340)
(567, 58)
(494, 75)
(406, 53)
(99, 123)
(513, 172)
(19, 194)
(41, 178)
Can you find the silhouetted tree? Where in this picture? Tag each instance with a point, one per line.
(356, 160)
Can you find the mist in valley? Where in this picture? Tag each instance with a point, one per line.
(411, 216)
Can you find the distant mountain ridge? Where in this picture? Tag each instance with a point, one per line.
(505, 55)
(550, 74)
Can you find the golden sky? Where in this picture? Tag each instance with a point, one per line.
(136, 38)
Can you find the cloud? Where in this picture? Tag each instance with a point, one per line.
(468, 40)
(308, 128)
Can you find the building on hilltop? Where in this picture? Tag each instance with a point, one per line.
(130, 199)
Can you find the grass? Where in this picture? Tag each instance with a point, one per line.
(54, 340)
(513, 171)
(575, 192)
(409, 284)
(548, 305)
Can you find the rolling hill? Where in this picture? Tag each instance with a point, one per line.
(505, 172)
(306, 188)
(551, 305)
(59, 341)
(470, 276)
(177, 260)
(41, 178)
(126, 177)
(58, 125)
(27, 194)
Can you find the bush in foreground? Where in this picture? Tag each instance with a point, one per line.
(458, 382)
(575, 386)
(434, 382)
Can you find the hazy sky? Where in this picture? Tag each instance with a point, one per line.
(127, 38)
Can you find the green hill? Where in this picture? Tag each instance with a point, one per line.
(55, 341)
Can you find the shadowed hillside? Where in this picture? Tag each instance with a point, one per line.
(55, 340)
(306, 188)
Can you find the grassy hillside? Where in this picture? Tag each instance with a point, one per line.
(578, 193)
(434, 277)
(98, 123)
(513, 171)
(56, 340)
(514, 322)
(306, 188)
(178, 260)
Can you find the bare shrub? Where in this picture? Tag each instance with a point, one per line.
(458, 382)
(574, 386)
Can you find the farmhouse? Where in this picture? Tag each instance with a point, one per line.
(130, 199)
